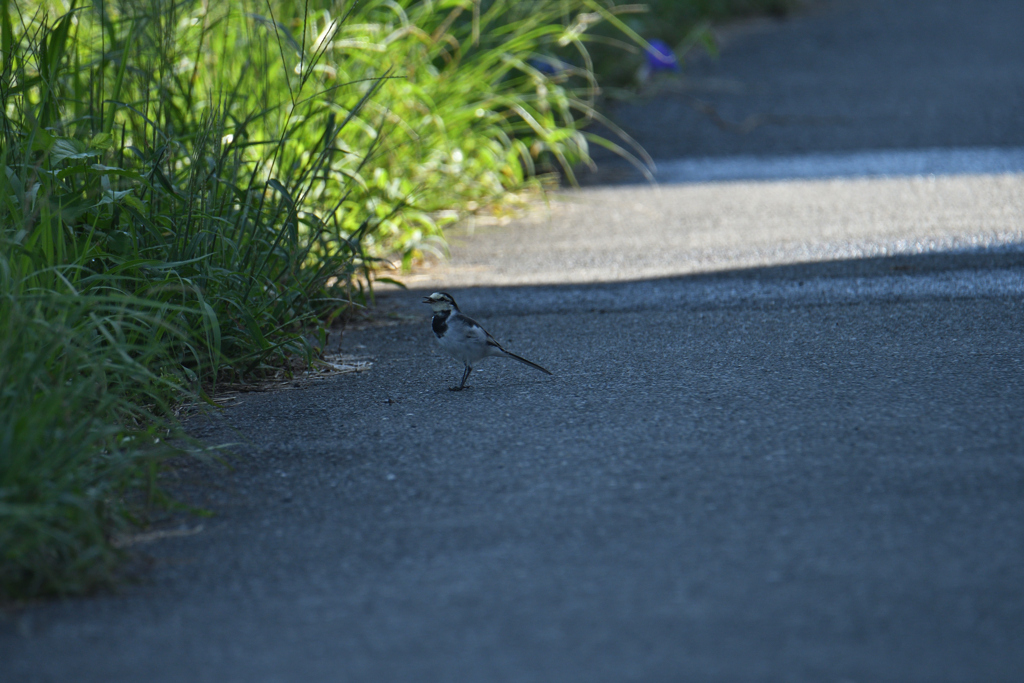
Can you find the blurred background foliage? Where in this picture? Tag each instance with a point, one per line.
(193, 190)
(680, 25)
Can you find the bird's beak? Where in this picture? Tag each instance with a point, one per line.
(427, 300)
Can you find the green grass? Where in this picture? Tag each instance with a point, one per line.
(143, 258)
(78, 433)
(187, 190)
(465, 115)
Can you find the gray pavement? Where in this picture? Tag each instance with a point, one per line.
(783, 441)
(629, 232)
(847, 75)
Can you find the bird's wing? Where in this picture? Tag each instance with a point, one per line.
(491, 341)
(471, 329)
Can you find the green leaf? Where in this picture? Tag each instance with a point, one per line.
(391, 281)
(274, 183)
(70, 148)
(119, 242)
(113, 197)
(101, 141)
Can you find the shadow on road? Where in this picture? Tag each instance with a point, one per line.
(964, 274)
(757, 486)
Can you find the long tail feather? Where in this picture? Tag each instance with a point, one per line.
(513, 356)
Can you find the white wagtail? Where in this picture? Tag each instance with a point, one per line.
(463, 338)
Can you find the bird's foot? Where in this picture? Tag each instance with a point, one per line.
(458, 388)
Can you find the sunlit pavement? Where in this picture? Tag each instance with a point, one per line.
(635, 232)
(783, 441)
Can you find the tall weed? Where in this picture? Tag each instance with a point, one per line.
(145, 254)
(187, 187)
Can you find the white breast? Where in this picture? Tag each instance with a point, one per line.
(465, 343)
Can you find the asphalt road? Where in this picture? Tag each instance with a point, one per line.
(847, 75)
(783, 441)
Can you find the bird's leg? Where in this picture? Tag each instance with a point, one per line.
(465, 376)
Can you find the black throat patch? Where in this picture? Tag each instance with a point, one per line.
(439, 323)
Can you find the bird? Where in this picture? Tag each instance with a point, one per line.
(463, 338)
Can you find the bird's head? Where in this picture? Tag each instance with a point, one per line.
(440, 302)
